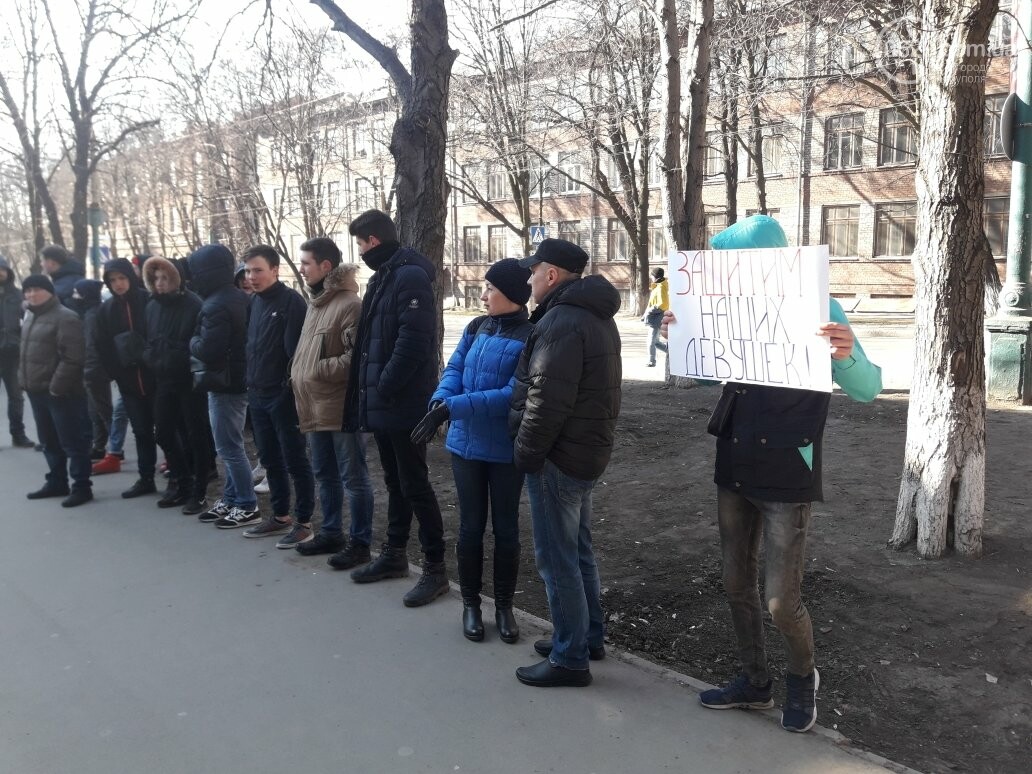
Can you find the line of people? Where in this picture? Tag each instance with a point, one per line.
(531, 399)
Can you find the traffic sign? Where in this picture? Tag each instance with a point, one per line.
(538, 234)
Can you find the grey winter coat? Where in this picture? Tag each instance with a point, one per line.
(53, 350)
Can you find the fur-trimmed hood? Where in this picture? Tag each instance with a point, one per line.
(151, 267)
(341, 278)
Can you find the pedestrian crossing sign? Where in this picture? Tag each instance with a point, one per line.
(538, 234)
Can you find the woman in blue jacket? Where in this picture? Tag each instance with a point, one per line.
(474, 394)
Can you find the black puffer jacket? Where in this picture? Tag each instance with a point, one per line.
(171, 322)
(64, 279)
(87, 306)
(10, 312)
(221, 337)
(567, 394)
(277, 315)
(394, 368)
(121, 332)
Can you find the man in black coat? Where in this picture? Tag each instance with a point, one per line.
(393, 374)
(10, 342)
(120, 336)
(64, 271)
(180, 414)
(564, 409)
(86, 302)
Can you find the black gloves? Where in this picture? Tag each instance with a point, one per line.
(428, 425)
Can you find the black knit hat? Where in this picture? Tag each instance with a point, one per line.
(509, 277)
(38, 281)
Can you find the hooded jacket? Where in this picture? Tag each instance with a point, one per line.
(220, 340)
(567, 394)
(171, 322)
(395, 368)
(64, 279)
(10, 312)
(477, 386)
(273, 330)
(53, 350)
(322, 363)
(87, 306)
(121, 332)
(769, 439)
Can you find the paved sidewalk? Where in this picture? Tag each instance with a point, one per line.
(139, 640)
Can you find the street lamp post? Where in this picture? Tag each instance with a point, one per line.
(1010, 329)
(95, 217)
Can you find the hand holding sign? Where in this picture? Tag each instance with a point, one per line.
(840, 337)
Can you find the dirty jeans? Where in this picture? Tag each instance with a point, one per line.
(742, 521)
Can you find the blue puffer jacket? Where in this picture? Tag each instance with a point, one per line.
(477, 386)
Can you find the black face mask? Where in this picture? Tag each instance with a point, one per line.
(375, 257)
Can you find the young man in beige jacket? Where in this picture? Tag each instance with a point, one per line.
(319, 375)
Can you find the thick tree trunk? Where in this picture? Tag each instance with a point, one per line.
(695, 157)
(942, 492)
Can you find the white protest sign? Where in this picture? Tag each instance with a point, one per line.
(751, 316)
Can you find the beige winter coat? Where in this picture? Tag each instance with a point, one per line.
(319, 373)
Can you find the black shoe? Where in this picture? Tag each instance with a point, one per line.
(320, 544)
(143, 486)
(77, 497)
(391, 563)
(545, 675)
(96, 455)
(352, 555)
(472, 621)
(544, 648)
(38, 447)
(195, 505)
(22, 442)
(431, 584)
(508, 629)
(176, 494)
(48, 490)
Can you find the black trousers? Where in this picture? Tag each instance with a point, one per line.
(140, 409)
(98, 396)
(409, 493)
(15, 399)
(182, 430)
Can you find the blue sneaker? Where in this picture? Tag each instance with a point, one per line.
(738, 694)
(799, 712)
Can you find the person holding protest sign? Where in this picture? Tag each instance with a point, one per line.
(658, 303)
(768, 472)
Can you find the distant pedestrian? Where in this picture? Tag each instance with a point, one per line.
(393, 374)
(319, 375)
(50, 369)
(474, 394)
(564, 410)
(64, 271)
(659, 302)
(11, 313)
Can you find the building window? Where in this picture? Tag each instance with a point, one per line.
(843, 137)
(997, 216)
(471, 244)
(841, 230)
(771, 146)
(360, 138)
(993, 138)
(714, 154)
(657, 242)
(467, 179)
(897, 138)
(332, 196)
(496, 243)
(570, 231)
(613, 172)
(573, 169)
(1000, 32)
(365, 195)
(472, 294)
(772, 212)
(895, 226)
(496, 188)
(777, 57)
(715, 223)
(618, 247)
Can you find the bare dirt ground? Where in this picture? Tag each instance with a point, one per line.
(927, 663)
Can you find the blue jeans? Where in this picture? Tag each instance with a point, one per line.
(655, 342)
(339, 462)
(560, 509)
(63, 425)
(283, 453)
(119, 425)
(477, 483)
(226, 411)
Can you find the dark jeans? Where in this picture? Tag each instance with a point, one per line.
(15, 401)
(407, 479)
(339, 462)
(182, 430)
(98, 395)
(477, 483)
(141, 418)
(742, 521)
(282, 451)
(63, 425)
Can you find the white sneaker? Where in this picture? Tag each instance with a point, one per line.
(257, 473)
(263, 486)
(238, 517)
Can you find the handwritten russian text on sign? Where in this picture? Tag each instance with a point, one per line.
(751, 316)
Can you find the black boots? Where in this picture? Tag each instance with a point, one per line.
(431, 584)
(176, 493)
(506, 570)
(472, 621)
(470, 562)
(143, 486)
(391, 563)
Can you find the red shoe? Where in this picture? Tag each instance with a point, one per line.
(110, 464)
